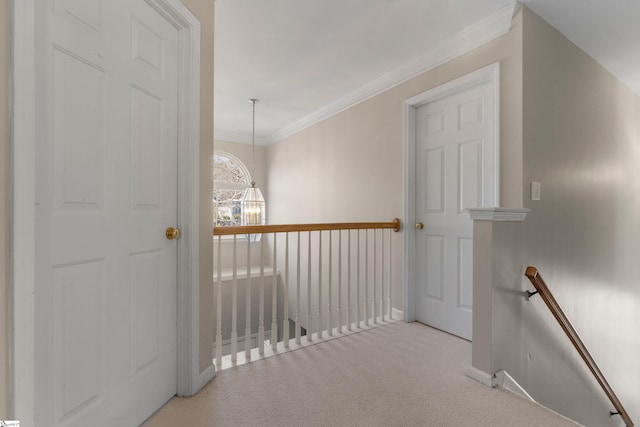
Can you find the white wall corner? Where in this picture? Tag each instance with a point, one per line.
(397, 314)
(478, 375)
(498, 214)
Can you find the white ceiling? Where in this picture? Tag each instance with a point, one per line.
(304, 59)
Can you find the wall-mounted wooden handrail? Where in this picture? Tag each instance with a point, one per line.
(259, 229)
(552, 304)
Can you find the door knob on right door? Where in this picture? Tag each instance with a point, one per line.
(419, 226)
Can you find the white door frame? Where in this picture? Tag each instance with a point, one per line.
(24, 75)
(488, 74)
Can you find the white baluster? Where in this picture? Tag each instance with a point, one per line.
(330, 284)
(375, 275)
(340, 281)
(261, 308)
(358, 314)
(382, 276)
(389, 306)
(274, 296)
(248, 286)
(349, 311)
(309, 308)
(285, 320)
(320, 324)
(366, 277)
(297, 291)
(234, 303)
(219, 308)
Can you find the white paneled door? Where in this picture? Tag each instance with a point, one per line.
(455, 158)
(106, 191)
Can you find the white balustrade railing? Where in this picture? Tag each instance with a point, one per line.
(308, 279)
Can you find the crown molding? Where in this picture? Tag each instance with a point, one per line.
(238, 137)
(465, 41)
(498, 214)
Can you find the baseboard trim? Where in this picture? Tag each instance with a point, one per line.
(204, 378)
(478, 375)
(397, 314)
(226, 344)
(502, 379)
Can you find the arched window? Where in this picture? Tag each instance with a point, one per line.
(230, 179)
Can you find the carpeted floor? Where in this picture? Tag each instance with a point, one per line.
(399, 374)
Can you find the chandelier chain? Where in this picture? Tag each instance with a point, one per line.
(253, 144)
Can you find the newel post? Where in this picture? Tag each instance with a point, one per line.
(497, 255)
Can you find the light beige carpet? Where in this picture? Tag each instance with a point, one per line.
(399, 374)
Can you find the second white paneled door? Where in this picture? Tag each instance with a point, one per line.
(106, 275)
(455, 157)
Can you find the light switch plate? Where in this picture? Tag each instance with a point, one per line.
(535, 190)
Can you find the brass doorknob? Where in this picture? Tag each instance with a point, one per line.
(172, 233)
(419, 226)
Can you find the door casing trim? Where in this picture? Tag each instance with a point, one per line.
(487, 74)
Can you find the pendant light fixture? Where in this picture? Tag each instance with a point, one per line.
(253, 204)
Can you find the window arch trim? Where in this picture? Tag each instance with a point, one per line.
(228, 194)
(241, 166)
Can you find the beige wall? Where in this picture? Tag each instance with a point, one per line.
(204, 11)
(349, 167)
(581, 132)
(5, 145)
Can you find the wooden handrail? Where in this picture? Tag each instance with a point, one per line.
(554, 307)
(260, 229)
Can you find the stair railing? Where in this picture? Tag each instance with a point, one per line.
(345, 275)
(567, 327)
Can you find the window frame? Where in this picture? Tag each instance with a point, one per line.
(229, 186)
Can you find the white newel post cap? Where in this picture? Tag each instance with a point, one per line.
(498, 214)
